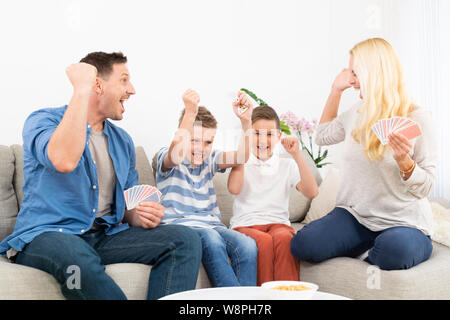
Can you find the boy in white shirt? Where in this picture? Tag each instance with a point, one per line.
(262, 187)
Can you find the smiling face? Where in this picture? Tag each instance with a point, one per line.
(202, 139)
(266, 135)
(113, 91)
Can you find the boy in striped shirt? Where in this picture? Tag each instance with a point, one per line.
(184, 176)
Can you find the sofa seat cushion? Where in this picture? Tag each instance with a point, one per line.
(8, 200)
(25, 283)
(356, 279)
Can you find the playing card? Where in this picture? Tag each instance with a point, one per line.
(140, 193)
(241, 108)
(145, 192)
(407, 127)
(376, 131)
(410, 132)
(153, 197)
(403, 123)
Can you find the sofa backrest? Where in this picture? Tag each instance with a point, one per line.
(298, 204)
(11, 180)
(8, 201)
(11, 195)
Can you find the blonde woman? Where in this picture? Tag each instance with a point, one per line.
(382, 208)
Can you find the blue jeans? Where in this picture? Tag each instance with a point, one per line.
(173, 251)
(220, 243)
(339, 234)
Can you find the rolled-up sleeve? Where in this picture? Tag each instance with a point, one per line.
(421, 182)
(37, 132)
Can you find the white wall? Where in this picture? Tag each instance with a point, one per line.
(286, 51)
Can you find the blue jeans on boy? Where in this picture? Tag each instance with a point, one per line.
(218, 244)
(173, 251)
(339, 234)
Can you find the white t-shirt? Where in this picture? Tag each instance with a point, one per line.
(264, 198)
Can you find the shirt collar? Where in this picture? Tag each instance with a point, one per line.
(271, 162)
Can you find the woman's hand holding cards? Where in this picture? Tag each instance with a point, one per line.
(401, 147)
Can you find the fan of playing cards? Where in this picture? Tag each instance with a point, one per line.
(141, 193)
(407, 127)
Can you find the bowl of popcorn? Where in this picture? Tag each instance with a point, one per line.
(290, 290)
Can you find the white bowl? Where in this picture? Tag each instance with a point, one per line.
(276, 294)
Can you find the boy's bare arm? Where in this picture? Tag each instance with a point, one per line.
(236, 179)
(180, 143)
(307, 185)
(240, 156)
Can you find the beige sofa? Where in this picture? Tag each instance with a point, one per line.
(352, 278)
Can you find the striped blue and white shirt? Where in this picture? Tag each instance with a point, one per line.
(188, 193)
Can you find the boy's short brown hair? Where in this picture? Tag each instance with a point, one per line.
(266, 113)
(204, 116)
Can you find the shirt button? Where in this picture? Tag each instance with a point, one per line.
(93, 210)
(94, 187)
(60, 230)
(82, 230)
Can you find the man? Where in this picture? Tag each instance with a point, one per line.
(77, 165)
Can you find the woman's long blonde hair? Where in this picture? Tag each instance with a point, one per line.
(380, 74)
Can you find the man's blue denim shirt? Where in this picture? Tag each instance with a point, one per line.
(67, 202)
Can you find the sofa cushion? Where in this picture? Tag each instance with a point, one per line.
(8, 200)
(18, 172)
(18, 282)
(441, 223)
(299, 204)
(325, 201)
(146, 175)
(356, 279)
(225, 199)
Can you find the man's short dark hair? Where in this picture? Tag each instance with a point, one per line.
(266, 113)
(104, 61)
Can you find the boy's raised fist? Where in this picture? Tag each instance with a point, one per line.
(291, 145)
(243, 100)
(191, 100)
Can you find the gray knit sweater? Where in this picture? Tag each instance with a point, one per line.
(375, 192)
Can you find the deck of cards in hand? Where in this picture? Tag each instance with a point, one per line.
(407, 127)
(141, 193)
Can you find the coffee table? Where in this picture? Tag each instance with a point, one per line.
(239, 293)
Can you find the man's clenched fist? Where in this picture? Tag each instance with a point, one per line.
(82, 76)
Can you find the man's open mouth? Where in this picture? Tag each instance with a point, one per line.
(122, 101)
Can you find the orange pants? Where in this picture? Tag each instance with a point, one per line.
(275, 261)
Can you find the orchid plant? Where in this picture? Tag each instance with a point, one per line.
(304, 128)
(289, 122)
